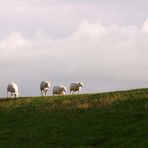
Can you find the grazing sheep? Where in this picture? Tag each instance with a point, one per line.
(76, 87)
(13, 89)
(44, 86)
(59, 90)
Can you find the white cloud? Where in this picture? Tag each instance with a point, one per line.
(145, 26)
(95, 53)
(61, 17)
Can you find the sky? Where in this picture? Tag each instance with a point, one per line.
(103, 43)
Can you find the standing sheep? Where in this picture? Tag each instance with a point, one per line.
(44, 86)
(76, 87)
(59, 90)
(13, 89)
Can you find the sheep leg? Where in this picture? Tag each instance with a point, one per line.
(45, 92)
(41, 93)
(7, 94)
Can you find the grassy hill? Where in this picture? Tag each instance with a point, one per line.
(115, 119)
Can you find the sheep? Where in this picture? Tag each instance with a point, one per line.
(59, 90)
(76, 87)
(13, 89)
(44, 86)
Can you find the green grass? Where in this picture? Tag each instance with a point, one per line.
(115, 119)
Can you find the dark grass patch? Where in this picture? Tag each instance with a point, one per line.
(116, 119)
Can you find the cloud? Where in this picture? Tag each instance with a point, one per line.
(111, 51)
(101, 55)
(61, 17)
(145, 26)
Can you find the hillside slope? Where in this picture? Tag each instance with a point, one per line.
(115, 119)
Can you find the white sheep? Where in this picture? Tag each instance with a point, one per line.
(76, 87)
(59, 90)
(13, 89)
(44, 86)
